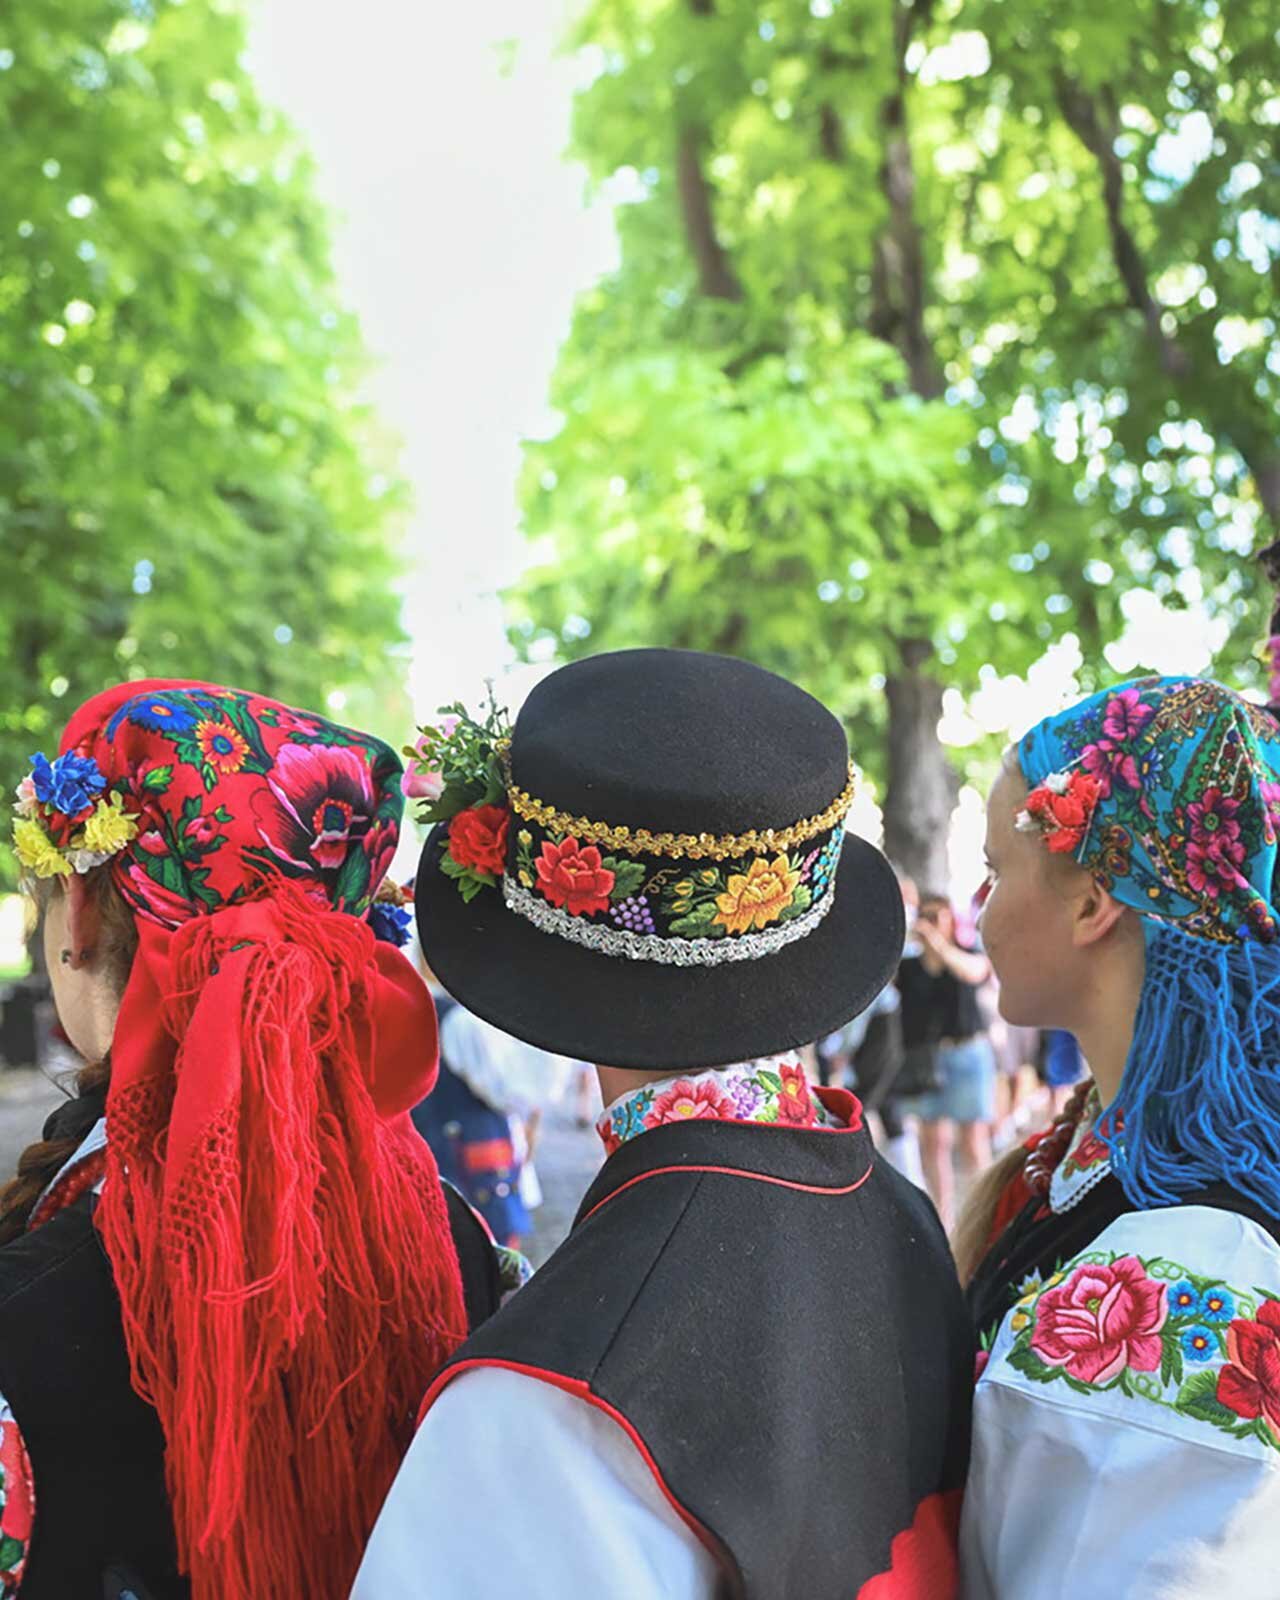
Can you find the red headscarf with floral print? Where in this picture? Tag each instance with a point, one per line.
(277, 1230)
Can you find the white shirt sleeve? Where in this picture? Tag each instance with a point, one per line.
(1107, 1442)
(514, 1487)
(513, 1078)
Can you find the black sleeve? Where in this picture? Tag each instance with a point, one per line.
(878, 1060)
(481, 1286)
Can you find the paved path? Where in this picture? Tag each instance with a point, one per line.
(26, 1099)
(567, 1158)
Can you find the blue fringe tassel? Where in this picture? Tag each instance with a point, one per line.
(1199, 1102)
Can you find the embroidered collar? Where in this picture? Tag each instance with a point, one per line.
(1086, 1163)
(771, 1090)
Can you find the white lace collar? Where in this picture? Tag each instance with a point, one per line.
(1086, 1163)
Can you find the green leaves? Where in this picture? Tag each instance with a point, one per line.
(800, 903)
(1198, 1397)
(189, 485)
(628, 877)
(470, 881)
(158, 779)
(758, 476)
(700, 923)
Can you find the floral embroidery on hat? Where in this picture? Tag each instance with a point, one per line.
(676, 898)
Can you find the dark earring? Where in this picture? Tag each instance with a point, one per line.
(66, 958)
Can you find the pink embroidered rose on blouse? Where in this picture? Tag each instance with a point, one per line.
(685, 1100)
(1102, 1320)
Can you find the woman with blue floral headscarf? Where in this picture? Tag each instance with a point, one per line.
(1128, 1300)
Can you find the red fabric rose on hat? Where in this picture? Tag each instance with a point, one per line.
(478, 838)
(574, 878)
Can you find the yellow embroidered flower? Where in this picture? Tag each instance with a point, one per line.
(526, 880)
(524, 836)
(37, 851)
(758, 896)
(109, 829)
(1019, 1321)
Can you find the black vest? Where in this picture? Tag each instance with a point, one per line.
(773, 1315)
(1040, 1240)
(103, 1526)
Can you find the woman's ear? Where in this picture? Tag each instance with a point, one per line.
(84, 922)
(1096, 913)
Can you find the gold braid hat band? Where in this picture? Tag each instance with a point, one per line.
(688, 846)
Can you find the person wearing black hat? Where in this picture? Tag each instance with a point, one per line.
(748, 1370)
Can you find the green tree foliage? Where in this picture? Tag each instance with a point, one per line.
(937, 329)
(188, 485)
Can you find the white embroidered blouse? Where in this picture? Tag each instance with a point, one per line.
(1128, 1408)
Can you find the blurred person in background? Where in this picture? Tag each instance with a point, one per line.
(866, 1056)
(942, 1024)
(481, 1119)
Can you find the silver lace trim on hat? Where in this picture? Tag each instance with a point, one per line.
(653, 947)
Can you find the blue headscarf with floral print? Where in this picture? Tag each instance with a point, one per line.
(1184, 831)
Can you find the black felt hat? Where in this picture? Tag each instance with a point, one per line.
(679, 888)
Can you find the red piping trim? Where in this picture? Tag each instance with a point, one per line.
(728, 1172)
(583, 1391)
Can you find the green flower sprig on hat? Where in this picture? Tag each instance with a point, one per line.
(456, 771)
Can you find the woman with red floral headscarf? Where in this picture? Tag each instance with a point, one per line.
(230, 1269)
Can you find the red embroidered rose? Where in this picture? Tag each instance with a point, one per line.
(1063, 808)
(478, 838)
(1102, 1320)
(574, 878)
(19, 1505)
(794, 1102)
(687, 1100)
(1249, 1384)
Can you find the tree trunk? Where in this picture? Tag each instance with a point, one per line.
(922, 789)
(716, 279)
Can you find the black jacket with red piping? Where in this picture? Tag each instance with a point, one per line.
(772, 1315)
